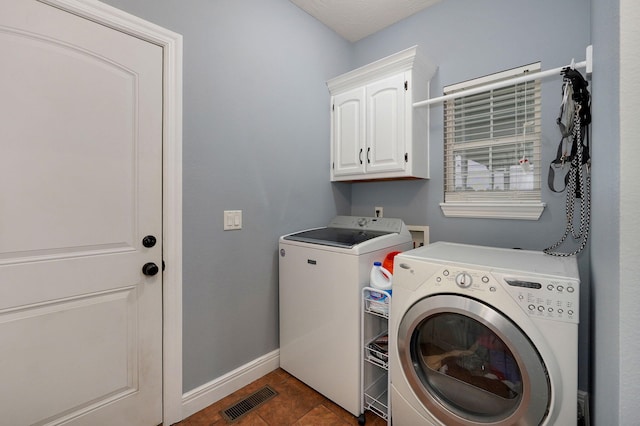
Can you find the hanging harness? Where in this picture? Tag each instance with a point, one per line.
(573, 121)
(575, 99)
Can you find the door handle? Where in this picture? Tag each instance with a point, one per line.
(150, 269)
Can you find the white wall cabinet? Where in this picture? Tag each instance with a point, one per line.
(375, 131)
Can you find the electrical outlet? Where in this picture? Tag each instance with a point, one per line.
(583, 409)
(378, 212)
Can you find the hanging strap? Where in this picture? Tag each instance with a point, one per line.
(558, 163)
(579, 182)
(578, 179)
(566, 153)
(575, 97)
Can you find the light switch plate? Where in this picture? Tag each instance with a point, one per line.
(232, 220)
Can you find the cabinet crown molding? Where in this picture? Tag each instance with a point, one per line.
(404, 60)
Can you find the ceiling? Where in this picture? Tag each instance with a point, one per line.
(356, 19)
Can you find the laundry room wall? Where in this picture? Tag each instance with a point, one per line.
(606, 218)
(468, 39)
(256, 132)
(256, 138)
(616, 229)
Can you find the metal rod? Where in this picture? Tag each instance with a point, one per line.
(499, 85)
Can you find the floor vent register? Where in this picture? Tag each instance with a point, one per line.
(248, 404)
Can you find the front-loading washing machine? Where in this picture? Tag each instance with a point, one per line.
(483, 336)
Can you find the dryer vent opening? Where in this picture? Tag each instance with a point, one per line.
(248, 404)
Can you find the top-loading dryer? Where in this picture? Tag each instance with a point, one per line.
(483, 336)
(322, 273)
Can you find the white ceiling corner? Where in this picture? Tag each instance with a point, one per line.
(356, 19)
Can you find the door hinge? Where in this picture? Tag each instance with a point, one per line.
(406, 85)
(333, 166)
(333, 107)
(406, 157)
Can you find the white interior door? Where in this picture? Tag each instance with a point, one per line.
(80, 187)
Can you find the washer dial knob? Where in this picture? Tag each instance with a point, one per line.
(464, 280)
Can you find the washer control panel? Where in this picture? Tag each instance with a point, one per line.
(542, 297)
(382, 224)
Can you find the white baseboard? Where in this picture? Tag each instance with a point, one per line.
(209, 393)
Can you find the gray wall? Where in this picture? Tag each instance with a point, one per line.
(256, 132)
(495, 35)
(616, 232)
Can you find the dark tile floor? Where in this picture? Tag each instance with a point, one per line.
(296, 404)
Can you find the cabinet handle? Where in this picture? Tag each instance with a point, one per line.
(368, 159)
(360, 156)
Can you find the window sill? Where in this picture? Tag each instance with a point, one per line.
(488, 210)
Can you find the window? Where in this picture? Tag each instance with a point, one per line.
(492, 149)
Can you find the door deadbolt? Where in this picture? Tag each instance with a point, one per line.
(149, 241)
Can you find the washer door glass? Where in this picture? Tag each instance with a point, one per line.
(469, 364)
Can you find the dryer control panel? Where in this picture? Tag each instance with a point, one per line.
(541, 297)
(556, 299)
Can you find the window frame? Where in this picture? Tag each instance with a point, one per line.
(495, 204)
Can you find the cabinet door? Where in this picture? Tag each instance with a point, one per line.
(386, 125)
(348, 154)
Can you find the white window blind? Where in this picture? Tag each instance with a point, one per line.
(492, 142)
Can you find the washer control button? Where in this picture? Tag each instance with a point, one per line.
(485, 279)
